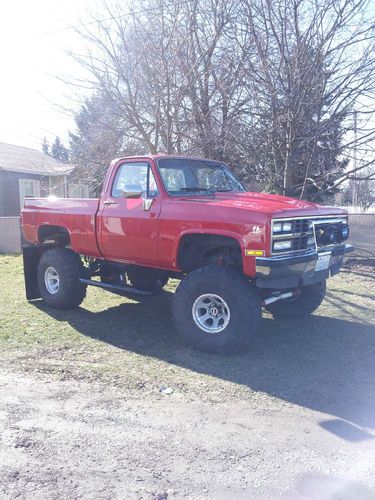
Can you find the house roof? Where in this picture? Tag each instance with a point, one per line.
(30, 161)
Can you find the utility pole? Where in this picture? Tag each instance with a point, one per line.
(354, 201)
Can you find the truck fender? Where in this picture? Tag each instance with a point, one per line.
(211, 232)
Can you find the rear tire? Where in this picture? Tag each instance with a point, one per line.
(216, 310)
(59, 271)
(310, 299)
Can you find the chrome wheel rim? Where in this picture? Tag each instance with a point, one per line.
(52, 280)
(211, 313)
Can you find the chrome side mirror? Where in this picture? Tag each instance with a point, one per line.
(132, 191)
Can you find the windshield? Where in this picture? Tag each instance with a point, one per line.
(182, 176)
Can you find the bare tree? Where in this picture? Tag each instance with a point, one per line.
(268, 86)
(314, 62)
(363, 191)
(174, 71)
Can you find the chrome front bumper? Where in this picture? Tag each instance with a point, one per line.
(298, 270)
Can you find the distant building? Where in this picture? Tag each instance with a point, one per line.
(26, 172)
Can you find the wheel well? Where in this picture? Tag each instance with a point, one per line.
(57, 235)
(196, 250)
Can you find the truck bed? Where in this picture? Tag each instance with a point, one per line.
(76, 215)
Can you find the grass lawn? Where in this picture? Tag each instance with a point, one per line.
(133, 344)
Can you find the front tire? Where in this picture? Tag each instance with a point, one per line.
(310, 299)
(59, 271)
(216, 310)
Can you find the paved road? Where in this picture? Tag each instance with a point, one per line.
(71, 439)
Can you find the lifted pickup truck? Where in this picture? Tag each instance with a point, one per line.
(188, 218)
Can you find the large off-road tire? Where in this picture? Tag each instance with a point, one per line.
(217, 310)
(147, 279)
(310, 299)
(59, 271)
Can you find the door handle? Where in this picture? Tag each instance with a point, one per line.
(110, 203)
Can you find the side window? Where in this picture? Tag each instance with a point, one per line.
(134, 174)
(173, 178)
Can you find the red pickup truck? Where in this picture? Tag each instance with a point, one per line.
(188, 218)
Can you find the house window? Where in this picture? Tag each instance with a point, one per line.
(78, 191)
(57, 186)
(29, 188)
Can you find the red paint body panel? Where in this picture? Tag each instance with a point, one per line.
(124, 232)
(75, 215)
(206, 215)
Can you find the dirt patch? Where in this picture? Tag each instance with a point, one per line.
(78, 440)
(361, 265)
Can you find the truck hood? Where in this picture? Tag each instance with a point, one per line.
(272, 205)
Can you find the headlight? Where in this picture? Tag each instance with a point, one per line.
(282, 245)
(279, 227)
(327, 234)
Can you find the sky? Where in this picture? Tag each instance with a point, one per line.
(34, 35)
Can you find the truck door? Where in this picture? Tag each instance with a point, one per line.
(127, 220)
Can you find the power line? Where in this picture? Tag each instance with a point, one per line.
(103, 20)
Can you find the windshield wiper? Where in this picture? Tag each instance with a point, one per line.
(192, 189)
(223, 190)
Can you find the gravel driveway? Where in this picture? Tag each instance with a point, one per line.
(64, 439)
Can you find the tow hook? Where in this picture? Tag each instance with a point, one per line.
(280, 296)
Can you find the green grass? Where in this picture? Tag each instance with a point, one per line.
(135, 346)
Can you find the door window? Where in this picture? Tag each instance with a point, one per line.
(135, 174)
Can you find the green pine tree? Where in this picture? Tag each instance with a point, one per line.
(59, 151)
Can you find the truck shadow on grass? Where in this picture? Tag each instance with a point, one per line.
(322, 363)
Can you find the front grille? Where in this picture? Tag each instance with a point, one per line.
(307, 234)
(300, 226)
